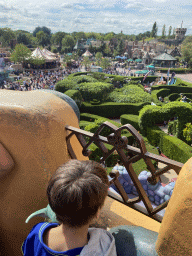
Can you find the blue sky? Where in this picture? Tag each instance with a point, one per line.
(130, 16)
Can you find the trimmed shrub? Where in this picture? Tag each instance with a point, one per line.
(129, 94)
(172, 147)
(172, 127)
(176, 70)
(97, 90)
(151, 115)
(76, 96)
(155, 94)
(140, 78)
(130, 119)
(112, 109)
(83, 123)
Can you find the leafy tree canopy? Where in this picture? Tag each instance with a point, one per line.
(44, 29)
(20, 53)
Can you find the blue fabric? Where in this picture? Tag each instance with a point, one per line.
(34, 245)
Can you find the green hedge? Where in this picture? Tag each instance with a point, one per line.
(176, 70)
(91, 118)
(140, 78)
(130, 94)
(130, 119)
(76, 96)
(112, 109)
(151, 115)
(83, 124)
(155, 94)
(172, 127)
(172, 147)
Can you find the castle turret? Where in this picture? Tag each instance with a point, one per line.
(180, 32)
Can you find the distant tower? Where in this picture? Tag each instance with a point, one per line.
(180, 32)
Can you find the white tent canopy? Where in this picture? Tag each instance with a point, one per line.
(46, 52)
(87, 54)
(40, 54)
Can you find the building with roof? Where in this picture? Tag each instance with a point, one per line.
(164, 60)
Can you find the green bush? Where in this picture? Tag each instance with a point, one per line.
(83, 123)
(176, 70)
(151, 115)
(187, 133)
(172, 127)
(155, 94)
(76, 96)
(112, 109)
(97, 90)
(130, 119)
(172, 147)
(129, 94)
(148, 78)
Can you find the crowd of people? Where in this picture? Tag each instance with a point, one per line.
(34, 80)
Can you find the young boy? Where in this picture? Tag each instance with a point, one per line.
(76, 193)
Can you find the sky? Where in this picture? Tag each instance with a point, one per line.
(102, 16)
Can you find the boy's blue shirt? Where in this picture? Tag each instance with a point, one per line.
(34, 245)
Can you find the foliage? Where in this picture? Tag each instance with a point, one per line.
(68, 44)
(105, 63)
(44, 29)
(76, 96)
(170, 29)
(21, 53)
(151, 115)
(186, 51)
(130, 119)
(96, 90)
(98, 57)
(42, 38)
(57, 38)
(172, 147)
(187, 133)
(86, 62)
(22, 38)
(154, 30)
(6, 35)
(176, 70)
(172, 127)
(37, 61)
(129, 94)
(163, 31)
(112, 109)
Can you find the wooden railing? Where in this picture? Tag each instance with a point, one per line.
(120, 145)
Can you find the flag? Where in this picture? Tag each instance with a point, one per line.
(146, 75)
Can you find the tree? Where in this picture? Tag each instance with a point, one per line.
(43, 39)
(163, 31)
(57, 38)
(86, 62)
(105, 63)
(68, 44)
(6, 35)
(186, 51)
(98, 57)
(21, 53)
(120, 47)
(23, 39)
(109, 36)
(44, 29)
(154, 30)
(170, 29)
(107, 50)
(80, 35)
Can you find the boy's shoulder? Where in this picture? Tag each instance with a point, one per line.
(34, 240)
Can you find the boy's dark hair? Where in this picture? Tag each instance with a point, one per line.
(76, 191)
